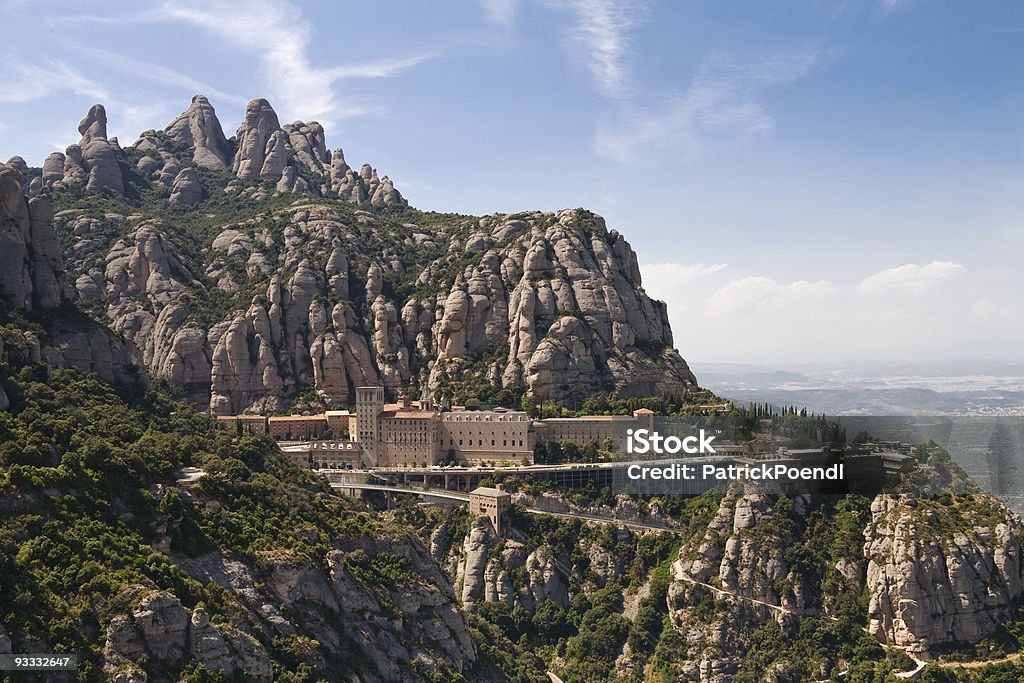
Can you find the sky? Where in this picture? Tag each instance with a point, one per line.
(803, 181)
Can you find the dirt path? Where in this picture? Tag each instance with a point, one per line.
(981, 664)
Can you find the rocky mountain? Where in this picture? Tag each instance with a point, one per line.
(259, 268)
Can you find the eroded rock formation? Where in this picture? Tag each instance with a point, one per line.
(33, 280)
(326, 297)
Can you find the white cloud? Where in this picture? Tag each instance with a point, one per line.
(380, 69)
(129, 115)
(667, 275)
(600, 40)
(887, 7)
(910, 277)
(24, 81)
(500, 12)
(159, 74)
(756, 290)
(720, 314)
(276, 33)
(721, 99)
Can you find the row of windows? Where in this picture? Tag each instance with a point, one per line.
(408, 438)
(457, 417)
(480, 442)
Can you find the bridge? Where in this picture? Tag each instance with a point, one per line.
(571, 476)
(464, 498)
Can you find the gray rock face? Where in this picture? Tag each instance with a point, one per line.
(928, 586)
(99, 157)
(19, 165)
(740, 561)
(253, 136)
(162, 623)
(53, 169)
(386, 195)
(186, 189)
(74, 168)
(309, 144)
(275, 157)
(199, 128)
(928, 591)
(387, 626)
(160, 628)
(208, 645)
(487, 576)
(283, 157)
(559, 292)
(15, 235)
(32, 277)
(31, 268)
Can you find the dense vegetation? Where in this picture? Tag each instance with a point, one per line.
(90, 499)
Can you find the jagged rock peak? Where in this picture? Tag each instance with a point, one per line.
(253, 134)
(199, 128)
(98, 167)
(309, 143)
(94, 125)
(30, 265)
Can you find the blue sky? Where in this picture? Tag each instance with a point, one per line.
(802, 181)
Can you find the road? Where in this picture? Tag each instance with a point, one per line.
(460, 496)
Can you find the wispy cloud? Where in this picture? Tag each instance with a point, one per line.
(500, 12)
(887, 7)
(756, 290)
(24, 81)
(158, 74)
(379, 69)
(277, 34)
(676, 273)
(910, 277)
(600, 39)
(722, 98)
(129, 114)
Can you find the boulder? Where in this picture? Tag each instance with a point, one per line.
(186, 189)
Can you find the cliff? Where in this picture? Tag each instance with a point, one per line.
(938, 574)
(34, 288)
(941, 574)
(250, 270)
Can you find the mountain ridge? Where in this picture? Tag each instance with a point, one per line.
(262, 268)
